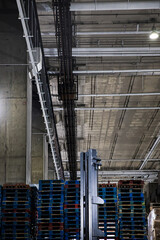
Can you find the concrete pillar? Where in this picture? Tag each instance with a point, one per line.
(51, 170)
(39, 143)
(13, 96)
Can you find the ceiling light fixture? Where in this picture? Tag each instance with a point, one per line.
(154, 34)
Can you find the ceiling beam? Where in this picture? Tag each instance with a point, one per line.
(122, 160)
(116, 6)
(108, 72)
(119, 95)
(110, 108)
(107, 52)
(150, 153)
(115, 94)
(123, 173)
(102, 33)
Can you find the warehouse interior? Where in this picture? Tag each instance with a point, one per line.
(79, 75)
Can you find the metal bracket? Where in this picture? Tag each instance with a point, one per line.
(97, 200)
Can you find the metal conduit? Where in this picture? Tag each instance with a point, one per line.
(104, 52)
(103, 33)
(101, 72)
(116, 6)
(111, 108)
(118, 94)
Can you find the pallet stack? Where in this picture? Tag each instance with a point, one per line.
(16, 212)
(50, 210)
(34, 213)
(132, 213)
(0, 209)
(72, 210)
(108, 213)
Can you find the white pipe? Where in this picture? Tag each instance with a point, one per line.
(103, 72)
(103, 33)
(121, 160)
(113, 33)
(118, 94)
(79, 72)
(110, 108)
(116, 6)
(104, 52)
(123, 172)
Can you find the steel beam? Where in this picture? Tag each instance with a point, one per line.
(106, 6)
(104, 176)
(115, 94)
(107, 52)
(123, 173)
(131, 71)
(116, 6)
(122, 160)
(119, 95)
(110, 72)
(103, 33)
(150, 153)
(110, 108)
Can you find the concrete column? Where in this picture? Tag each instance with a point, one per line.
(45, 158)
(37, 157)
(39, 142)
(51, 170)
(13, 96)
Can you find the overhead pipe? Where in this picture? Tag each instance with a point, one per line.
(122, 160)
(115, 94)
(103, 33)
(110, 108)
(119, 95)
(123, 173)
(106, 6)
(106, 52)
(103, 72)
(116, 6)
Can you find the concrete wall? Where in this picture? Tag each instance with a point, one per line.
(13, 99)
(23, 141)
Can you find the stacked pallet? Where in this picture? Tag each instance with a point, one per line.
(50, 209)
(108, 213)
(0, 209)
(132, 214)
(16, 212)
(72, 210)
(34, 214)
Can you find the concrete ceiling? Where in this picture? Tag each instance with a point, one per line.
(115, 41)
